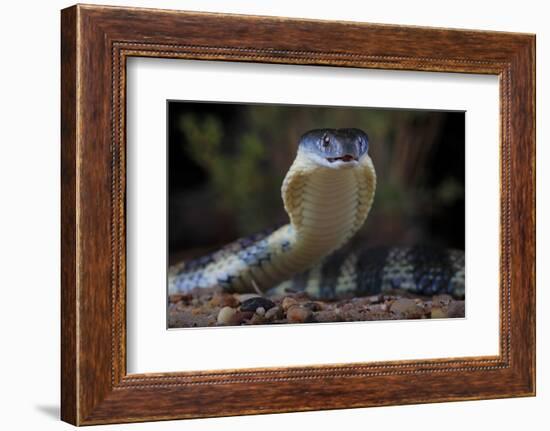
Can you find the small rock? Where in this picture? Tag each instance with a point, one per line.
(175, 298)
(313, 306)
(443, 299)
(327, 316)
(374, 299)
(187, 319)
(299, 314)
(347, 307)
(260, 311)
(221, 299)
(226, 316)
(288, 302)
(451, 310)
(274, 313)
(253, 303)
(256, 319)
(456, 309)
(404, 306)
(242, 316)
(438, 313)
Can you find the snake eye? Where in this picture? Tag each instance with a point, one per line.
(325, 140)
(363, 145)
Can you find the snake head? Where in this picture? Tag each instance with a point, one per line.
(334, 148)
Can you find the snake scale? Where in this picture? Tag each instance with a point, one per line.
(327, 193)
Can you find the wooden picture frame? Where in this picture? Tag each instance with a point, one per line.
(95, 43)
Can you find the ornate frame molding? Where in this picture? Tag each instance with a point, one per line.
(96, 41)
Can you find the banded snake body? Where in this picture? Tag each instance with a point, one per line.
(328, 193)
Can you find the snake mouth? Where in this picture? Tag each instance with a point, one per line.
(344, 158)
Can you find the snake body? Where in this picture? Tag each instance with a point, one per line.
(327, 192)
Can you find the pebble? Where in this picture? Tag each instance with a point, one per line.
(374, 299)
(327, 316)
(253, 304)
(443, 299)
(260, 311)
(288, 302)
(438, 313)
(226, 316)
(175, 298)
(221, 299)
(187, 319)
(313, 306)
(299, 314)
(454, 309)
(256, 319)
(241, 316)
(274, 313)
(404, 306)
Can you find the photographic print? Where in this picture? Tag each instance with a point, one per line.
(290, 200)
(310, 214)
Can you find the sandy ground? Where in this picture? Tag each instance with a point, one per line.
(213, 307)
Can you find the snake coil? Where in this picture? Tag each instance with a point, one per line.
(328, 193)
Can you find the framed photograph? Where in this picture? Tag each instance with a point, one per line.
(320, 263)
(289, 207)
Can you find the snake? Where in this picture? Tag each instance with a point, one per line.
(327, 193)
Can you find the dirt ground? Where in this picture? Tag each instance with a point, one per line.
(213, 307)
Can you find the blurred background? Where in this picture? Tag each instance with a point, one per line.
(226, 164)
